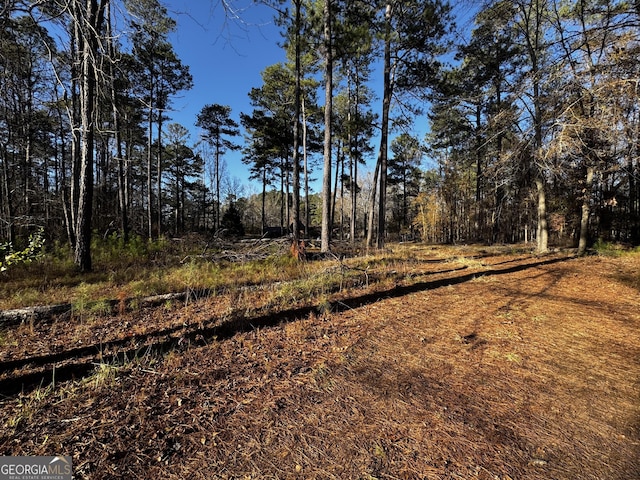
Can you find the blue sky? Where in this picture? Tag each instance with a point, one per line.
(225, 57)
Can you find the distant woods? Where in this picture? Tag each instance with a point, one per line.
(530, 108)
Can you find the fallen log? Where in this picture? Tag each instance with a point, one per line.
(31, 314)
(41, 313)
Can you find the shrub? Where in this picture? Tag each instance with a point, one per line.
(33, 251)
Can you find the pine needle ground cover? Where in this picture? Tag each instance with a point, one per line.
(463, 363)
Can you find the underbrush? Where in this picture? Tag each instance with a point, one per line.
(614, 249)
(141, 268)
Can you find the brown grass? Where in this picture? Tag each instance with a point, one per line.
(519, 374)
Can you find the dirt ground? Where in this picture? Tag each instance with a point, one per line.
(477, 364)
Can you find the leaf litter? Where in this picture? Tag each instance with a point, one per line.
(527, 373)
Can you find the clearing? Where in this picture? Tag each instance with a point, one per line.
(467, 362)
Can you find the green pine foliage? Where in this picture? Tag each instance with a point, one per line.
(231, 222)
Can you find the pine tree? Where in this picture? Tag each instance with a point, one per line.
(412, 34)
(159, 75)
(404, 174)
(217, 124)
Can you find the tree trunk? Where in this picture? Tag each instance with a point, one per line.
(543, 230)
(353, 159)
(159, 175)
(283, 169)
(405, 206)
(296, 130)
(384, 134)
(124, 220)
(586, 211)
(287, 196)
(306, 170)
(334, 195)
(634, 191)
(82, 256)
(328, 107)
(149, 170)
(342, 198)
(26, 171)
(381, 166)
(372, 205)
(91, 25)
(75, 122)
(6, 198)
(354, 198)
(480, 218)
(264, 198)
(533, 15)
(217, 178)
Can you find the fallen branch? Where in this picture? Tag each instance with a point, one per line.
(44, 312)
(30, 314)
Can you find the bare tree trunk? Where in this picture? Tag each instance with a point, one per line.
(6, 197)
(384, 136)
(149, 174)
(91, 26)
(283, 169)
(62, 181)
(353, 159)
(353, 173)
(264, 197)
(74, 121)
(159, 175)
(127, 174)
(124, 220)
(296, 130)
(480, 217)
(532, 29)
(287, 196)
(342, 198)
(26, 173)
(586, 211)
(372, 205)
(122, 196)
(542, 238)
(328, 107)
(634, 199)
(334, 195)
(217, 177)
(181, 204)
(632, 177)
(306, 170)
(543, 228)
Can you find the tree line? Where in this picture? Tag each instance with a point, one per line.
(530, 107)
(535, 131)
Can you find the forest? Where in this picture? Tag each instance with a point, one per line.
(532, 108)
(467, 307)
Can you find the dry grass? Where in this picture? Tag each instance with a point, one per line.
(526, 374)
(53, 280)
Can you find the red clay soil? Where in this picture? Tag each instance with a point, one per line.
(529, 369)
